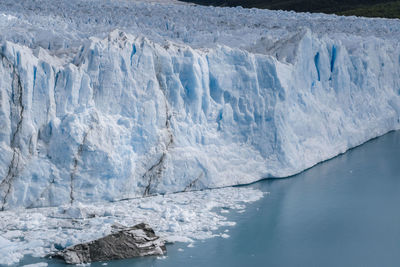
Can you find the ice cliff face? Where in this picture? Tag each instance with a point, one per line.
(91, 113)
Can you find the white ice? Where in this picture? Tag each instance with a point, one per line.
(181, 217)
(107, 100)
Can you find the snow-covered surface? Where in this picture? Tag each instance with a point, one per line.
(107, 100)
(181, 217)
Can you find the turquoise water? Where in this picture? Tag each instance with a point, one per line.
(343, 212)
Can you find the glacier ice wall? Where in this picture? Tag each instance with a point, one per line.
(129, 116)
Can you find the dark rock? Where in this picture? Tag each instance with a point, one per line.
(136, 241)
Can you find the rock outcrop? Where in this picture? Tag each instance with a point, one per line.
(136, 241)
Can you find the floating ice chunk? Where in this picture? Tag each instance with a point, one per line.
(189, 219)
(39, 264)
(9, 252)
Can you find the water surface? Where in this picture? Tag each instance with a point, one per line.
(343, 212)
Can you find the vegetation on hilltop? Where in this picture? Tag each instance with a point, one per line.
(366, 8)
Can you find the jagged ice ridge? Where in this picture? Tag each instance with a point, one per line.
(110, 100)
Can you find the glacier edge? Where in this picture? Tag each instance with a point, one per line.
(130, 117)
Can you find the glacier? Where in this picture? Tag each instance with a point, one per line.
(112, 100)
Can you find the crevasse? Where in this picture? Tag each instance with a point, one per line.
(129, 116)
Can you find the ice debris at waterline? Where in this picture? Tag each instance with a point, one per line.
(108, 100)
(139, 240)
(181, 217)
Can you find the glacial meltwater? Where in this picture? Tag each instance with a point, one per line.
(342, 212)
